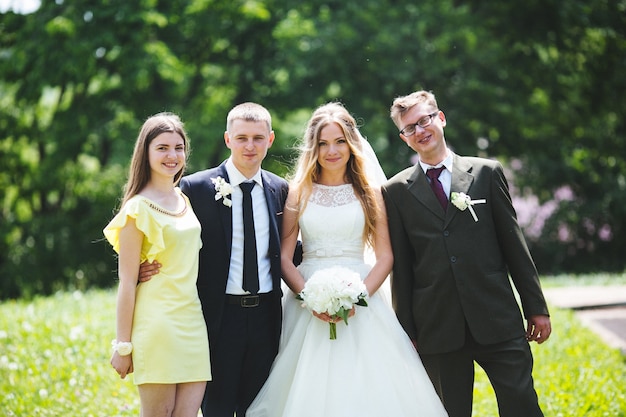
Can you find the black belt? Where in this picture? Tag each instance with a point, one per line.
(249, 300)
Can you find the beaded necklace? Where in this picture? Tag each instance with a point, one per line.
(164, 211)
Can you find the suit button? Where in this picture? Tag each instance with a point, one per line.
(446, 233)
(453, 259)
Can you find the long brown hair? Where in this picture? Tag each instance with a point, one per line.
(308, 169)
(139, 172)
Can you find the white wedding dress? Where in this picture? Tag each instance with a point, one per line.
(372, 368)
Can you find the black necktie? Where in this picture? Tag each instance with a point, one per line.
(435, 184)
(250, 266)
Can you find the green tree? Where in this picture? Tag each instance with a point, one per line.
(537, 86)
(78, 79)
(565, 121)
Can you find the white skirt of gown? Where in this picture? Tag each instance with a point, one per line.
(371, 369)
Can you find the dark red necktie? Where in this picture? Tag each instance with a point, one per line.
(435, 184)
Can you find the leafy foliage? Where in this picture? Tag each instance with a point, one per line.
(537, 85)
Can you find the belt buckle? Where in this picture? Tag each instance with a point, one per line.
(250, 301)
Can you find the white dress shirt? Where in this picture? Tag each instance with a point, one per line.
(261, 229)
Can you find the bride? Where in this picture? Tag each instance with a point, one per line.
(372, 368)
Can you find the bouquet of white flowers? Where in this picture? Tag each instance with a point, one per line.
(334, 291)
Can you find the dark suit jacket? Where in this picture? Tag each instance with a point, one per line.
(216, 221)
(449, 270)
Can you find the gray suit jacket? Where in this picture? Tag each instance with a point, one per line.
(449, 270)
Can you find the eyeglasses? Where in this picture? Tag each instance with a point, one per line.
(423, 123)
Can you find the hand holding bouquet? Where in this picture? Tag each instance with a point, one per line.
(334, 291)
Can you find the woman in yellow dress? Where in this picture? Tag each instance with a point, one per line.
(161, 333)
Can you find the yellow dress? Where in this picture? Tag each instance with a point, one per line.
(169, 336)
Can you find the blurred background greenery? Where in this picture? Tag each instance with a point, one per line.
(539, 85)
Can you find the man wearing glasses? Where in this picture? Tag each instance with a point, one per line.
(456, 242)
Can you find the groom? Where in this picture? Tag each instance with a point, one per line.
(450, 280)
(244, 325)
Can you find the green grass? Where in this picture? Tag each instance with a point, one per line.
(575, 374)
(55, 356)
(591, 279)
(55, 351)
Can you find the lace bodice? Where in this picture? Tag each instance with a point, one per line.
(332, 225)
(332, 196)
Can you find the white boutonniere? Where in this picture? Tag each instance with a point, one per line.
(463, 201)
(223, 190)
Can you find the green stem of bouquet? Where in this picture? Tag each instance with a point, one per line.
(333, 331)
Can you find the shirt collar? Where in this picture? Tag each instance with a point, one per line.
(236, 177)
(447, 162)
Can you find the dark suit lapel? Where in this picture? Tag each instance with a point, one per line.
(462, 180)
(418, 185)
(226, 213)
(270, 197)
(273, 205)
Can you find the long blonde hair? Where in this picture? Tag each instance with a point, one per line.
(139, 172)
(308, 170)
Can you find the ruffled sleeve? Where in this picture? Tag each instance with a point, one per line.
(137, 208)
